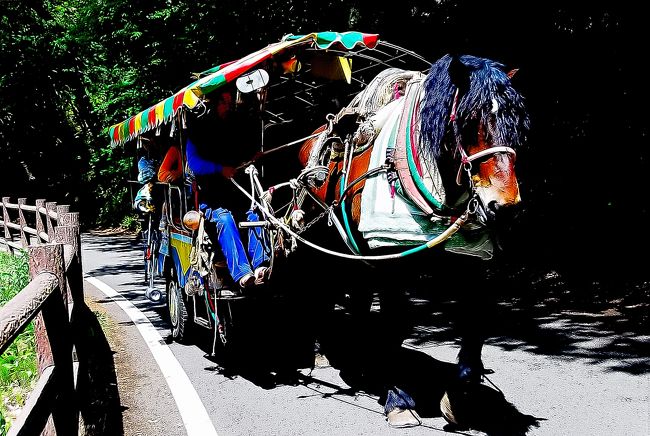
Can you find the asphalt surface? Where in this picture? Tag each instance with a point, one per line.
(566, 371)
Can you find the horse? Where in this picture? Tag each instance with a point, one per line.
(416, 162)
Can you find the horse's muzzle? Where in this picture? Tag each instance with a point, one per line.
(498, 215)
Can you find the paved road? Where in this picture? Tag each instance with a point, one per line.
(579, 372)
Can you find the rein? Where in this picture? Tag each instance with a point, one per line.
(465, 159)
(453, 228)
(330, 123)
(279, 147)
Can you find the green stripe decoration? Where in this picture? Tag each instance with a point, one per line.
(413, 168)
(213, 84)
(168, 108)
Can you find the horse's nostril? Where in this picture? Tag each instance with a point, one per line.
(505, 213)
(493, 207)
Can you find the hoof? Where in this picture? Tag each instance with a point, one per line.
(403, 418)
(467, 405)
(448, 411)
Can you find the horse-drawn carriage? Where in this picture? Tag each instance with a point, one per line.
(298, 82)
(409, 155)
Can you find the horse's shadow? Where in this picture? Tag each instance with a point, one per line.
(375, 365)
(274, 345)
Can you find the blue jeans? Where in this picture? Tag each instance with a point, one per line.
(231, 244)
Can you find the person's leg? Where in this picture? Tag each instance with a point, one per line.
(258, 249)
(230, 242)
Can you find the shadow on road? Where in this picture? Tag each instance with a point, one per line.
(99, 399)
(275, 344)
(542, 312)
(534, 309)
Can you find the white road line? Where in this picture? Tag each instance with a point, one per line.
(195, 417)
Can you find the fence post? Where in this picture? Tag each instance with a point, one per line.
(47, 257)
(21, 220)
(71, 220)
(67, 232)
(53, 323)
(5, 218)
(51, 207)
(61, 209)
(40, 228)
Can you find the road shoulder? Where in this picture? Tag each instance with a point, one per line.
(145, 401)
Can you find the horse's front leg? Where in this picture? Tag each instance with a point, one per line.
(475, 306)
(470, 364)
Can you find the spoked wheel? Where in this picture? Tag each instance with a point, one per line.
(178, 313)
(152, 293)
(148, 254)
(150, 270)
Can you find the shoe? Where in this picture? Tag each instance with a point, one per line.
(262, 275)
(247, 281)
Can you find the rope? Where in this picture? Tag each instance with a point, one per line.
(279, 147)
(453, 228)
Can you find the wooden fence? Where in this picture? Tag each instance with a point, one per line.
(50, 235)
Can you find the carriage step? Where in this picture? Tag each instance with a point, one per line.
(249, 224)
(203, 322)
(227, 294)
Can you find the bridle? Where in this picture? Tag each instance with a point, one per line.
(465, 159)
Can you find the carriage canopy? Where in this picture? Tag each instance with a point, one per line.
(191, 95)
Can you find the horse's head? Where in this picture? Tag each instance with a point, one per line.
(473, 118)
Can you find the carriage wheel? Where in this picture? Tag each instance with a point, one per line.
(178, 312)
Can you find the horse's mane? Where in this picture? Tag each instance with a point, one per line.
(487, 81)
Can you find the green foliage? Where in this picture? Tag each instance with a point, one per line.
(18, 370)
(42, 113)
(86, 65)
(14, 275)
(131, 222)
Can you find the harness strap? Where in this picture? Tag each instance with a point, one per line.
(465, 162)
(403, 164)
(453, 228)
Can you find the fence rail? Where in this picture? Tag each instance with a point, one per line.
(51, 299)
(45, 218)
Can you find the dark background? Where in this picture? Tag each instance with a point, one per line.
(70, 69)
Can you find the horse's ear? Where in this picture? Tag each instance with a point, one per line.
(512, 73)
(459, 73)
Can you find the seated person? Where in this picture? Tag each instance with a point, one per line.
(148, 161)
(214, 147)
(171, 168)
(145, 200)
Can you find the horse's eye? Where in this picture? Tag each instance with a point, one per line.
(491, 124)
